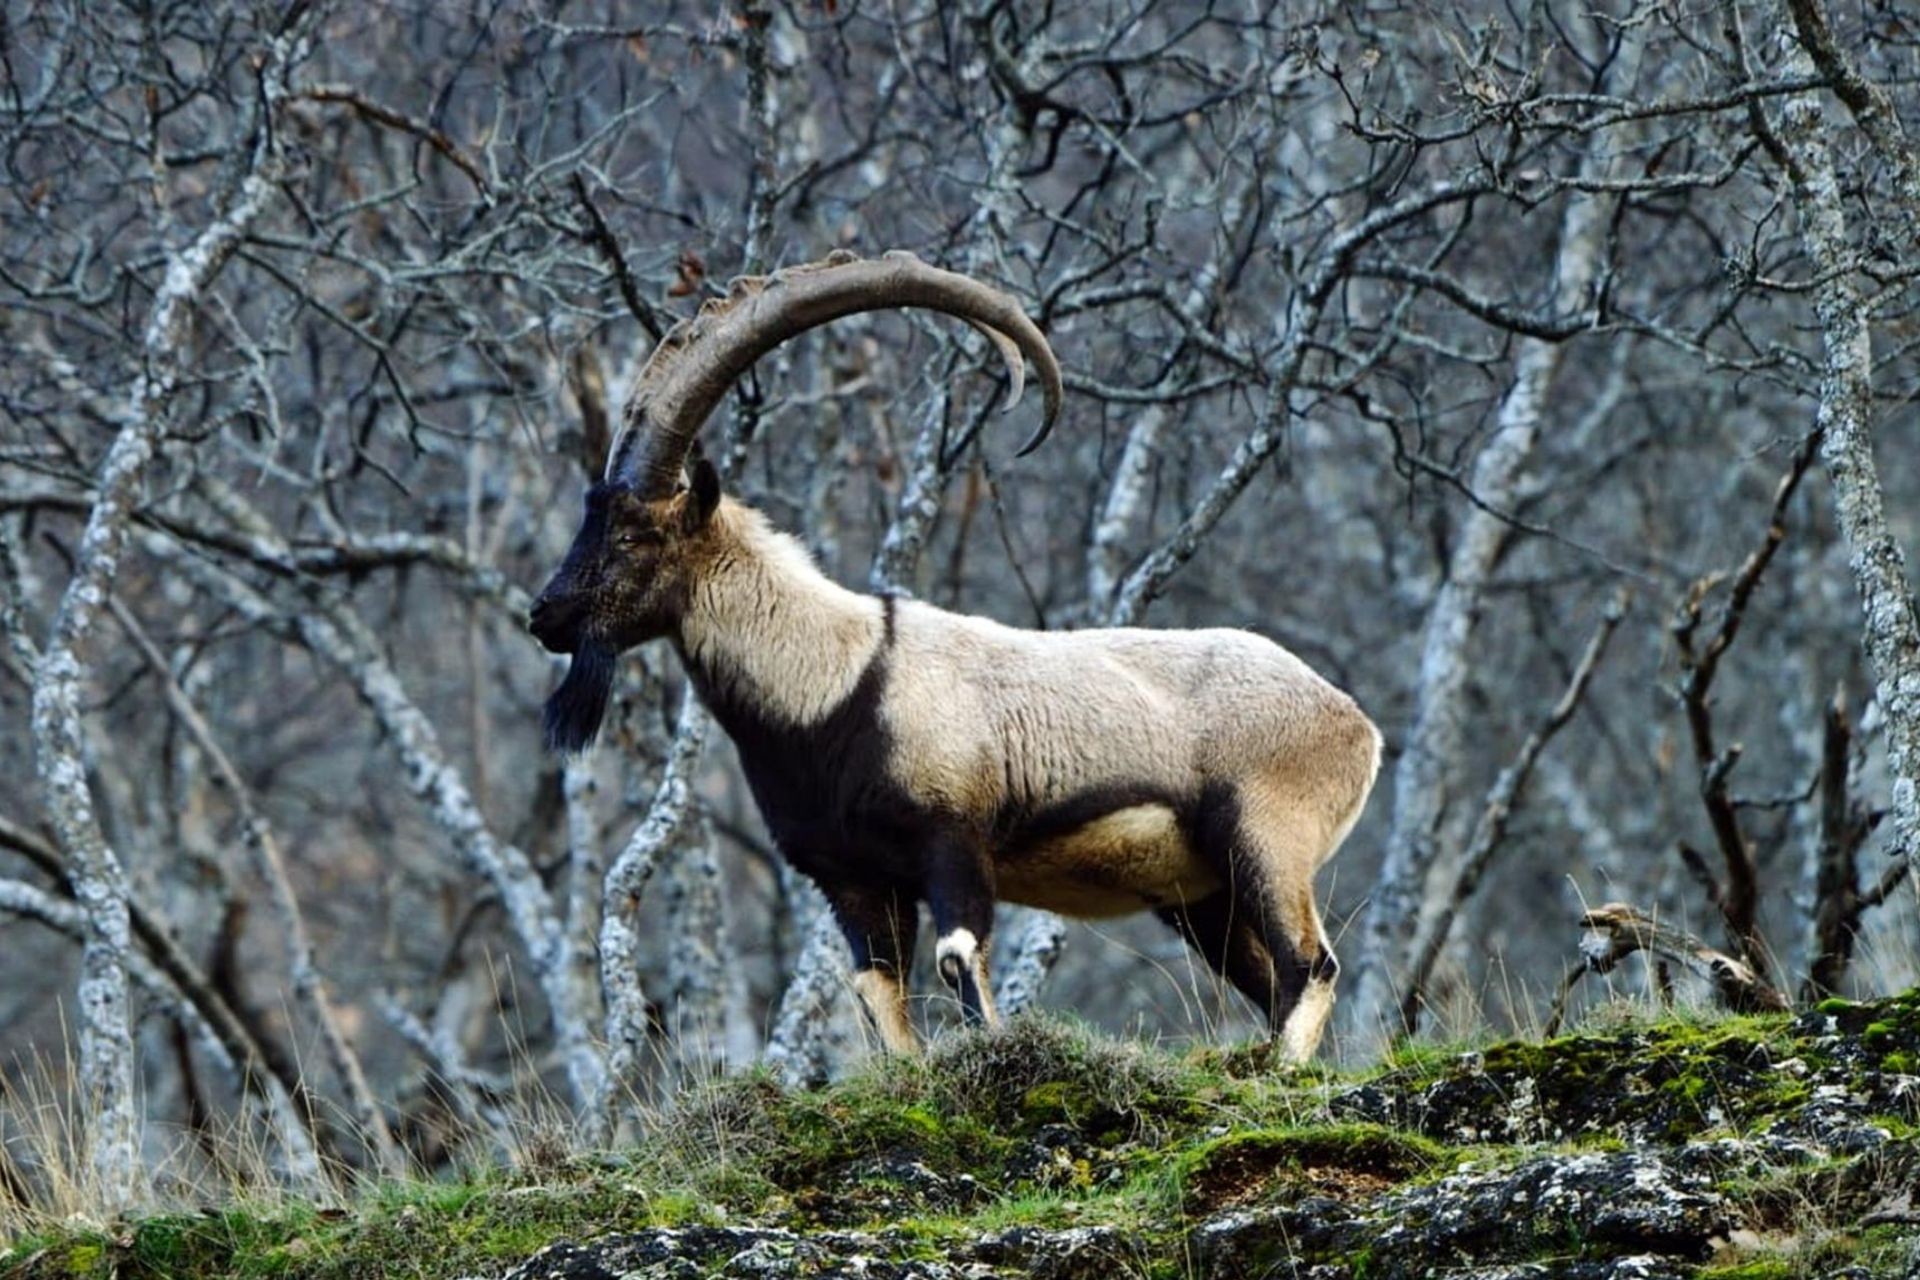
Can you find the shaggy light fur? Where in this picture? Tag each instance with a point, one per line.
(982, 719)
(902, 754)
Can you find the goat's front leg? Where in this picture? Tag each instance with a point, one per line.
(880, 925)
(960, 895)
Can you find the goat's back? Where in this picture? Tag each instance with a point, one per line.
(985, 713)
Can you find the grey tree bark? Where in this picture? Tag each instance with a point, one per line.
(627, 1032)
(303, 969)
(819, 978)
(1890, 629)
(334, 632)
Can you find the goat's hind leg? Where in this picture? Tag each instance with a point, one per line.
(1229, 944)
(1270, 941)
(1288, 922)
(1304, 1025)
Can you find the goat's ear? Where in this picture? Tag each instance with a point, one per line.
(703, 495)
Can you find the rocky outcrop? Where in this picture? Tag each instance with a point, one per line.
(1728, 1149)
(1583, 1215)
(1747, 1149)
(771, 1253)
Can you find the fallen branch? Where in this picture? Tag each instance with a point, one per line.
(1617, 930)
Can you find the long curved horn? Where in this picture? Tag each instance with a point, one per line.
(699, 359)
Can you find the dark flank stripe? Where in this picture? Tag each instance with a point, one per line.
(824, 788)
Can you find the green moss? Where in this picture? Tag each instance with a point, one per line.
(178, 1244)
(1900, 1128)
(1045, 1125)
(1752, 1269)
(398, 1230)
(1689, 1088)
(1883, 1027)
(1878, 1251)
(1056, 1101)
(1668, 1081)
(84, 1258)
(1882, 1250)
(973, 1107)
(1426, 1057)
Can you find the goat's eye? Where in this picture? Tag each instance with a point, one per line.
(629, 539)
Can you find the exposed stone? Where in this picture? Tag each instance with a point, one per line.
(1629, 1203)
(892, 1185)
(1080, 1253)
(1746, 1149)
(742, 1253)
(750, 1253)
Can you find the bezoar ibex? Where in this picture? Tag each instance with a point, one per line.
(902, 754)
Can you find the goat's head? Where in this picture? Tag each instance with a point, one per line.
(624, 582)
(632, 565)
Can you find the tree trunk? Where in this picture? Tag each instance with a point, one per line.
(1890, 631)
(629, 1022)
(807, 1004)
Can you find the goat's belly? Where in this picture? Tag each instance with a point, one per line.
(1125, 861)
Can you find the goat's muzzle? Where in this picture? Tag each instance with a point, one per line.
(554, 622)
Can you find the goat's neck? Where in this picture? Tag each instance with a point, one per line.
(766, 632)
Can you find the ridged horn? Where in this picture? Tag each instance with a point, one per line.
(693, 367)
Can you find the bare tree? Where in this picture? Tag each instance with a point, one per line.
(99, 880)
(1891, 627)
(1404, 337)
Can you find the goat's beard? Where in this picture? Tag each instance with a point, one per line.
(576, 708)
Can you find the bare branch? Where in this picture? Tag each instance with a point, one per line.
(380, 113)
(309, 986)
(107, 1061)
(1616, 930)
(1738, 895)
(601, 236)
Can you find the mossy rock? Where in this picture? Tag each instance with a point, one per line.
(1342, 1162)
(1659, 1085)
(1042, 1145)
(1041, 1072)
(1059, 1102)
(1879, 1033)
(1752, 1269)
(887, 1189)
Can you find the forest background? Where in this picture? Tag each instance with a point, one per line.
(1542, 374)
